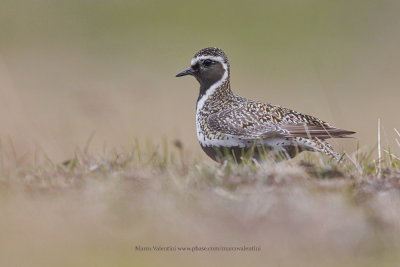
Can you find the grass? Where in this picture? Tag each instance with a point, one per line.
(95, 209)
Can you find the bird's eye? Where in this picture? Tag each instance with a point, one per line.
(207, 62)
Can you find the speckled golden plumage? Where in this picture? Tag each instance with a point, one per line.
(227, 121)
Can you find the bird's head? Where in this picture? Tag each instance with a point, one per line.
(208, 66)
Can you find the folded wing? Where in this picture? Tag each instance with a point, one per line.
(269, 123)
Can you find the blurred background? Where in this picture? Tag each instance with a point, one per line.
(71, 69)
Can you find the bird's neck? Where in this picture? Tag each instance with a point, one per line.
(222, 86)
(219, 90)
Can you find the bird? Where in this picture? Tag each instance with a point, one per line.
(231, 125)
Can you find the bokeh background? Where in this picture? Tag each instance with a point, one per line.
(71, 69)
(74, 72)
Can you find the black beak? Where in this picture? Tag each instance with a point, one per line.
(188, 71)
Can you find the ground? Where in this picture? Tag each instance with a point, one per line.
(140, 208)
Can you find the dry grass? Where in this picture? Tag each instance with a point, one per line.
(94, 210)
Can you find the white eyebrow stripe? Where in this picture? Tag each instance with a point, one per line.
(196, 59)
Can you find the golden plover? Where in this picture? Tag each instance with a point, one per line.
(227, 123)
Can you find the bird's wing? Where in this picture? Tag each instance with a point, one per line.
(268, 121)
(244, 124)
(310, 131)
